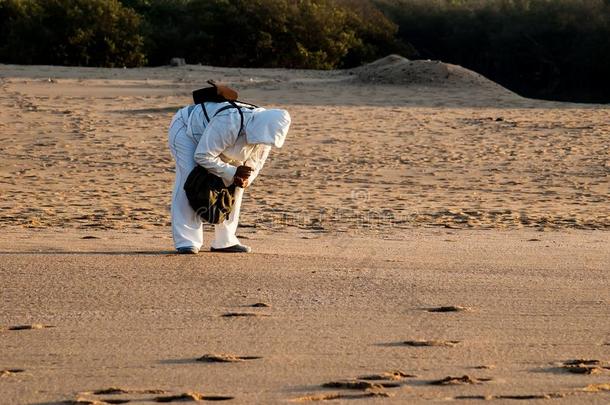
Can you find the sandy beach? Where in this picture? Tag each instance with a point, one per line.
(424, 236)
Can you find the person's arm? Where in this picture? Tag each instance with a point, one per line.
(257, 161)
(221, 133)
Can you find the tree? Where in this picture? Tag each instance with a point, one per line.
(70, 32)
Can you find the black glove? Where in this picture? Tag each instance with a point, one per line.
(241, 176)
(243, 172)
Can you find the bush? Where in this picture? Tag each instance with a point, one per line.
(70, 32)
(375, 34)
(320, 34)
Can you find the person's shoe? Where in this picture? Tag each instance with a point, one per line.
(188, 250)
(233, 249)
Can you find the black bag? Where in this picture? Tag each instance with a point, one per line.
(207, 194)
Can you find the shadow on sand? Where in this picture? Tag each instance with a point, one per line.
(96, 253)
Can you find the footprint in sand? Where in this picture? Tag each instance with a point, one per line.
(30, 327)
(360, 385)
(387, 376)
(471, 397)
(83, 401)
(431, 343)
(241, 314)
(194, 397)
(122, 391)
(597, 387)
(465, 379)
(530, 396)
(515, 397)
(335, 396)
(583, 366)
(450, 308)
(225, 358)
(185, 397)
(111, 391)
(352, 385)
(485, 367)
(260, 305)
(10, 372)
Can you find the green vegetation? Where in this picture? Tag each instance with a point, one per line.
(70, 32)
(317, 34)
(542, 48)
(314, 34)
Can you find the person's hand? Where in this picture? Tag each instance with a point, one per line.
(239, 182)
(243, 172)
(241, 178)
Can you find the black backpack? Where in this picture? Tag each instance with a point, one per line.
(219, 93)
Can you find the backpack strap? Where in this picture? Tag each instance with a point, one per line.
(205, 112)
(233, 104)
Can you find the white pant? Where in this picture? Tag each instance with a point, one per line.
(186, 225)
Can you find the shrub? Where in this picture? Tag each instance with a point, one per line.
(320, 34)
(70, 32)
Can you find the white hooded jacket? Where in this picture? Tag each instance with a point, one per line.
(222, 148)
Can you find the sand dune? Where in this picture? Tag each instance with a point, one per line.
(395, 69)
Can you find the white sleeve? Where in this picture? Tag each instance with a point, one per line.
(257, 160)
(221, 133)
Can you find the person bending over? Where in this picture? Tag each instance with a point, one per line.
(233, 155)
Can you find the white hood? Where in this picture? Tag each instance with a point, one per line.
(268, 127)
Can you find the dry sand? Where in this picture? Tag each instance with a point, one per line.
(403, 187)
